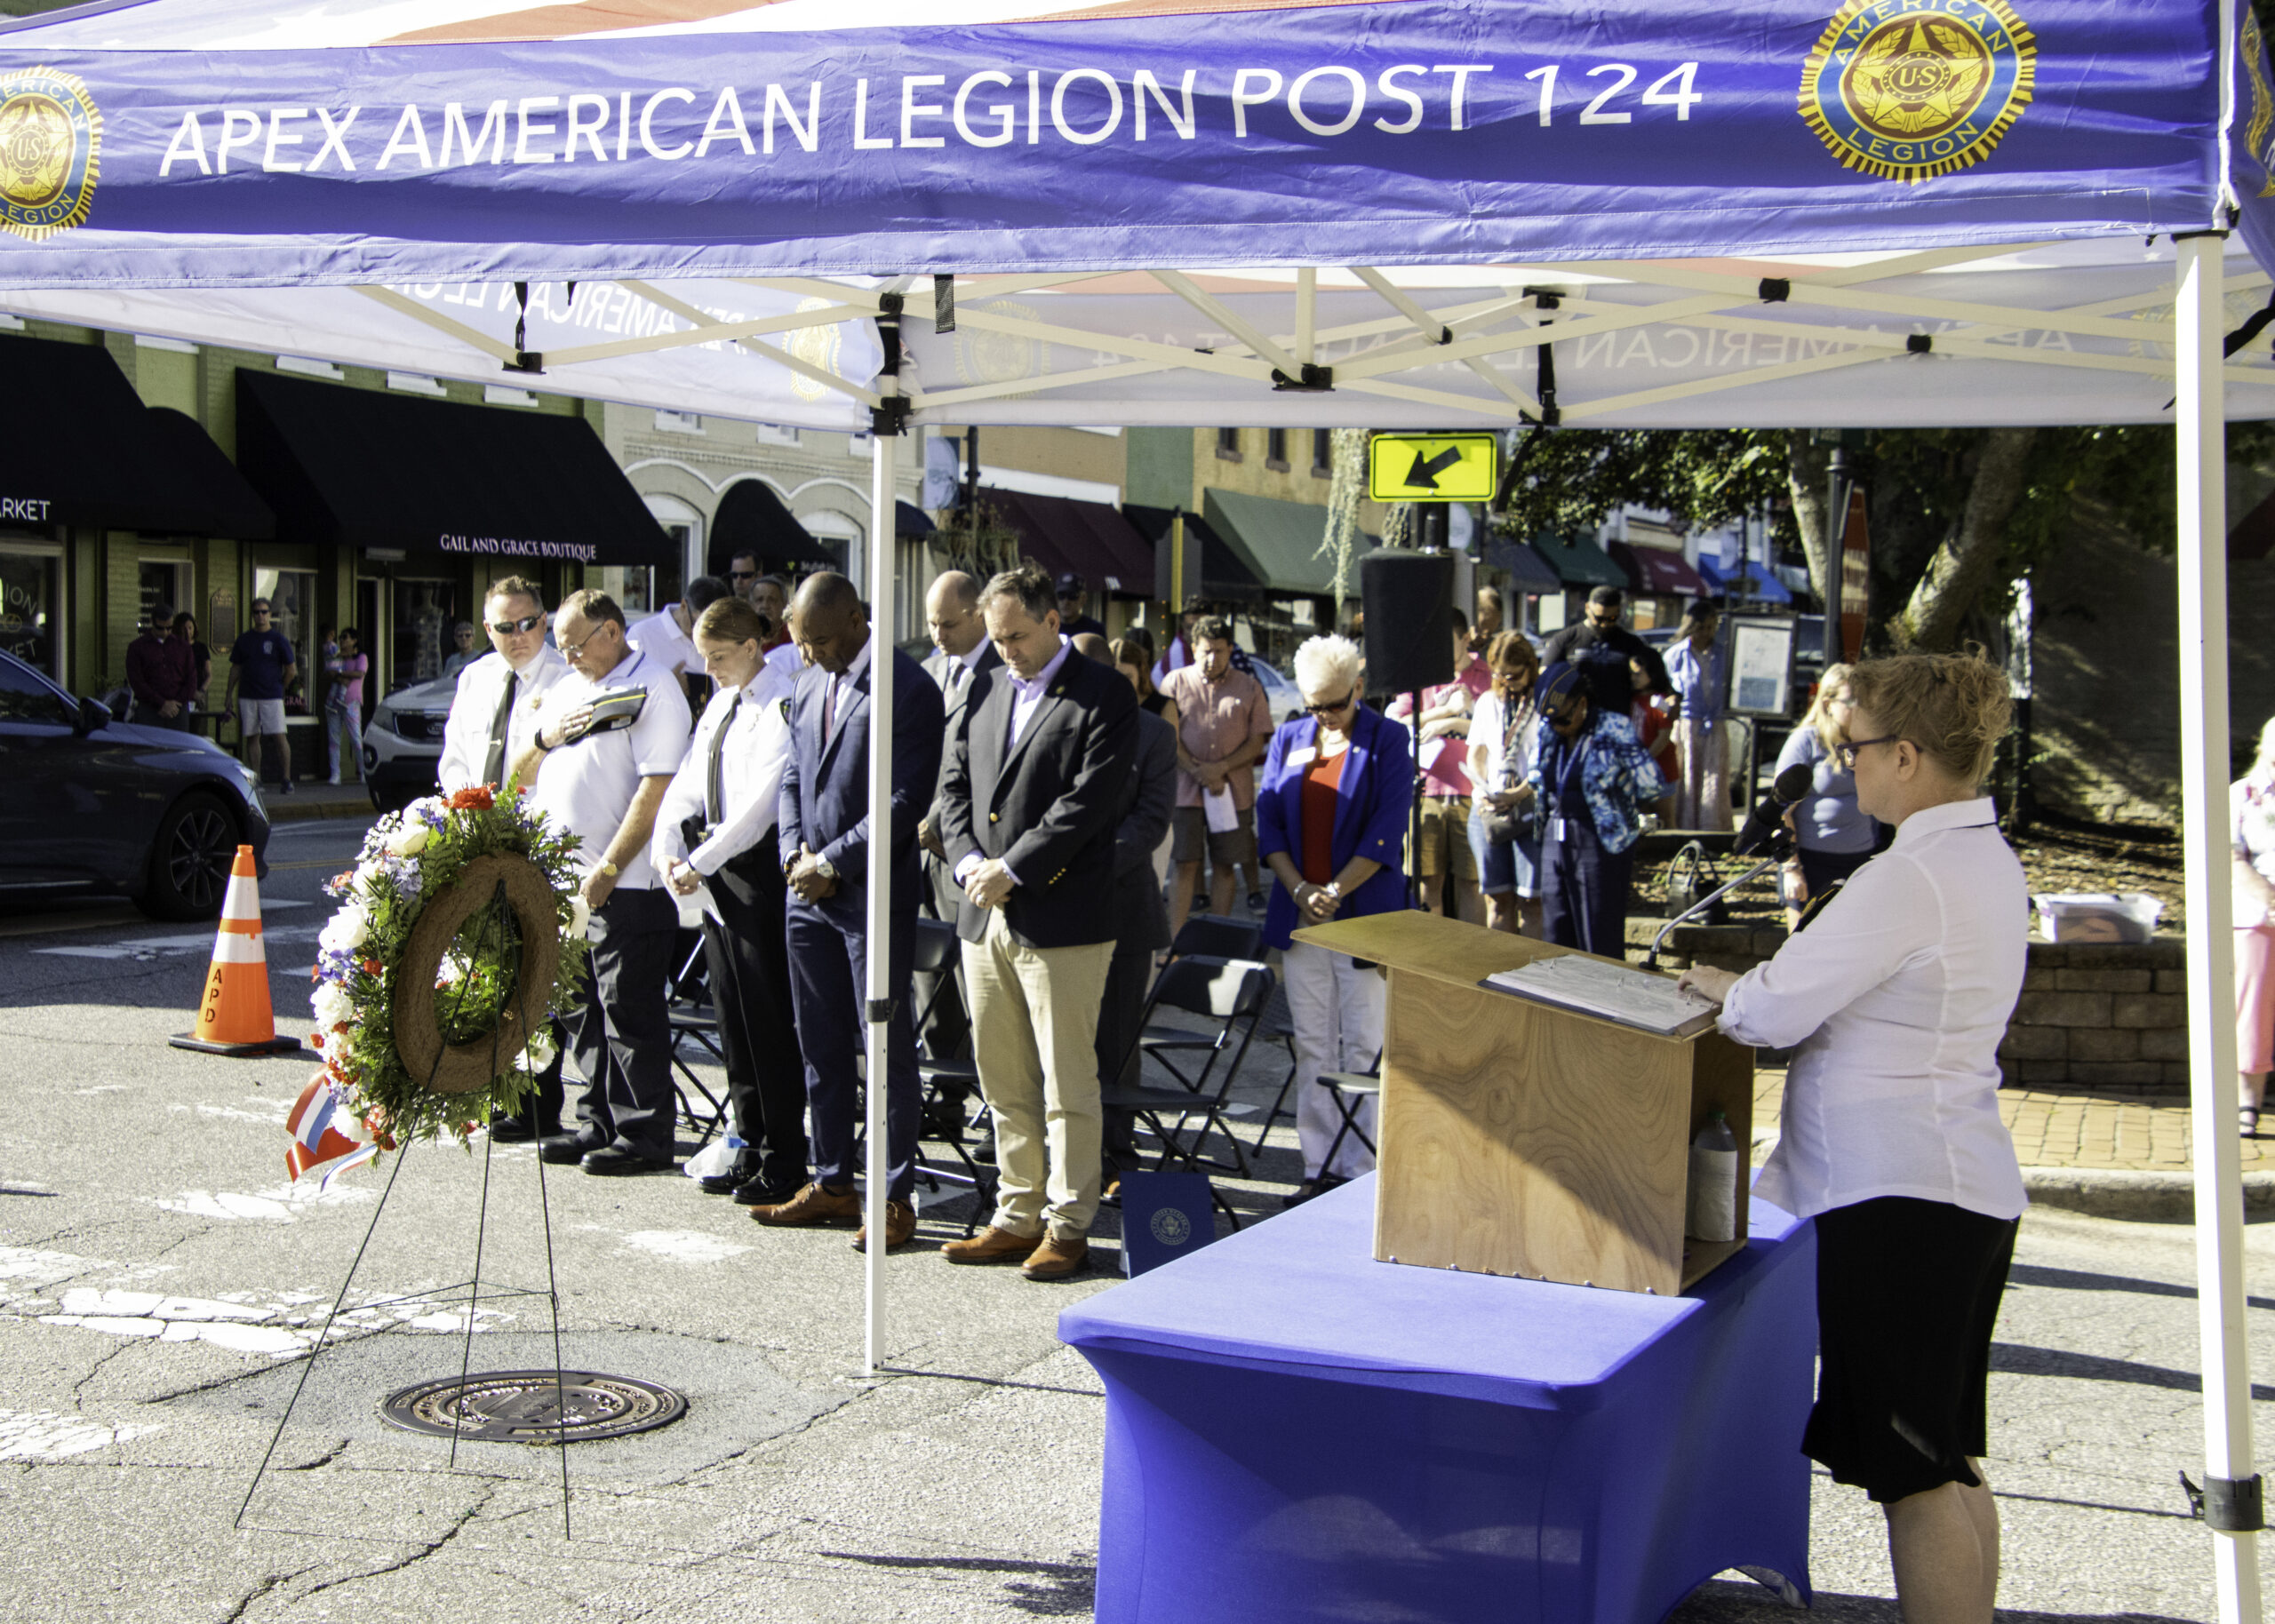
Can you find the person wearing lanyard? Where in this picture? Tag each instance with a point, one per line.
(1896, 1000)
(1593, 778)
(604, 787)
(714, 832)
(1699, 670)
(1501, 740)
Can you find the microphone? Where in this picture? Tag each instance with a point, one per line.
(1766, 820)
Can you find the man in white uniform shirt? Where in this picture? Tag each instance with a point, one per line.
(494, 717)
(605, 788)
(668, 635)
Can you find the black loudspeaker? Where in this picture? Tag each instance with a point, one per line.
(1409, 599)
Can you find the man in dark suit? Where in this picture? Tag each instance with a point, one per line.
(1029, 804)
(824, 851)
(961, 655)
(1141, 916)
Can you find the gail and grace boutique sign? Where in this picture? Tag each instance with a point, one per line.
(513, 547)
(1411, 129)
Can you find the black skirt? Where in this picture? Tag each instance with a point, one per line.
(1907, 1294)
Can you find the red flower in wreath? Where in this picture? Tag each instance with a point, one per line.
(477, 797)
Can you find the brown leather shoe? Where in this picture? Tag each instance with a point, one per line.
(811, 1205)
(990, 1245)
(1055, 1260)
(900, 1227)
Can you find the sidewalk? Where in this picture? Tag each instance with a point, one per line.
(2115, 1153)
(313, 798)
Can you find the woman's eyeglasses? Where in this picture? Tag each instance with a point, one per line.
(1333, 706)
(1846, 754)
(509, 628)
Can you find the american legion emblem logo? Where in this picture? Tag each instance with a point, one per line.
(1910, 89)
(50, 136)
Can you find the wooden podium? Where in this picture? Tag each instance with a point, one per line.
(1520, 1138)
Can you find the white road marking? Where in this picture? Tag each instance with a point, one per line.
(148, 948)
(683, 1245)
(284, 1204)
(43, 1434)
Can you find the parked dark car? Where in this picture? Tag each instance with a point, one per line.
(92, 804)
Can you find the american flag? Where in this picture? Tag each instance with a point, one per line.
(316, 1142)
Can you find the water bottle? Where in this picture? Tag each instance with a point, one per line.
(1714, 1205)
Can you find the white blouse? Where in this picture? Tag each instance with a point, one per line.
(1898, 996)
(750, 775)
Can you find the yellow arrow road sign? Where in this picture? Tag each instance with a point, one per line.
(1431, 467)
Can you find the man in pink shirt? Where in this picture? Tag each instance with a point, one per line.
(1223, 729)
(1443, 751)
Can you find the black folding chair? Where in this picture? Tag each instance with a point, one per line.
(694, 1019)
(1230, 991)
(939, 953)
(1205, 935)
(1348, 1091)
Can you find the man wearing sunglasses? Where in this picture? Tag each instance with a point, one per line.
(494, 717)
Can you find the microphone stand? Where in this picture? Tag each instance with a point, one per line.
(1781, 847)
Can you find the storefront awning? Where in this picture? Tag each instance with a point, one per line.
(1757, 586)
(752, 519)
(911, 522)
(1528, 572)
(81, 449)
(372, 469)
(1278, 541)
(1578, 561)
(1087, 538)
(1655, 572)
(1225, 579)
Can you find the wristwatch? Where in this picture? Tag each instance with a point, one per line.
(824, 868)
(608, 868)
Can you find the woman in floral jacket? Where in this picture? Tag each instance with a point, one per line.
(1593, 778)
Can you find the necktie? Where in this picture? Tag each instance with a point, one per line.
(493, 760)
(829, 710)
(714, 794)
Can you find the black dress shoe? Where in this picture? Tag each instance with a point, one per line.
(759, 1190)
(738, 1173)
(517, 1130)
(983, 1148)
(569, 1147)
(615, 1161)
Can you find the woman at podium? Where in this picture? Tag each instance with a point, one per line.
(1331, 809)
(1890, 1134)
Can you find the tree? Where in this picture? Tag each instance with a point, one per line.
(1957, 514)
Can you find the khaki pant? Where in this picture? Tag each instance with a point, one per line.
(1034, 1021)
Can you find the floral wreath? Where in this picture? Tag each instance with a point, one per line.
(437, 898)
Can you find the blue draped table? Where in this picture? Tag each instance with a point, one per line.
(1296, 1431)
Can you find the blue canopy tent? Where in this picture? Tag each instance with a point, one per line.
(1636, 213)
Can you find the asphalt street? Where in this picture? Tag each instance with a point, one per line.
(160, 1279)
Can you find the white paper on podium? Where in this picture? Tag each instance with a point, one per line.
(1625, 993)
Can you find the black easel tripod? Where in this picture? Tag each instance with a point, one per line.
(499, 926)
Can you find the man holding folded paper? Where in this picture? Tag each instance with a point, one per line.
(1224, 723)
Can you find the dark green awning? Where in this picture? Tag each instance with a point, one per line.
(1278, 541)
(1578, 561)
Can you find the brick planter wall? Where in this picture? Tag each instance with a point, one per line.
(2089, 1016)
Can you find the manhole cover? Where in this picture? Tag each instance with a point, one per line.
(526, 1407)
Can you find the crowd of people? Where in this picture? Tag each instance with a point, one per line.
(1066, 803)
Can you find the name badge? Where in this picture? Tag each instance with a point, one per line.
(1302, 757)
(1556, 826)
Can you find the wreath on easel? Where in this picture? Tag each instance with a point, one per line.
(461, 936)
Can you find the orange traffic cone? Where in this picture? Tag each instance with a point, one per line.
(234, 1017)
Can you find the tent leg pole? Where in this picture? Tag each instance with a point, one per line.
(879, 922)
(2203, 730)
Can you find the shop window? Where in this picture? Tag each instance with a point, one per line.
(632, 585)
(1228, 444)
(1322, 453)
(1275, 449)
(162, 581)
(425, 613)
(31, 608)
(291, 596)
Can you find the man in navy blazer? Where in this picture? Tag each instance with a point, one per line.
(1029, 804)
(825, 847)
